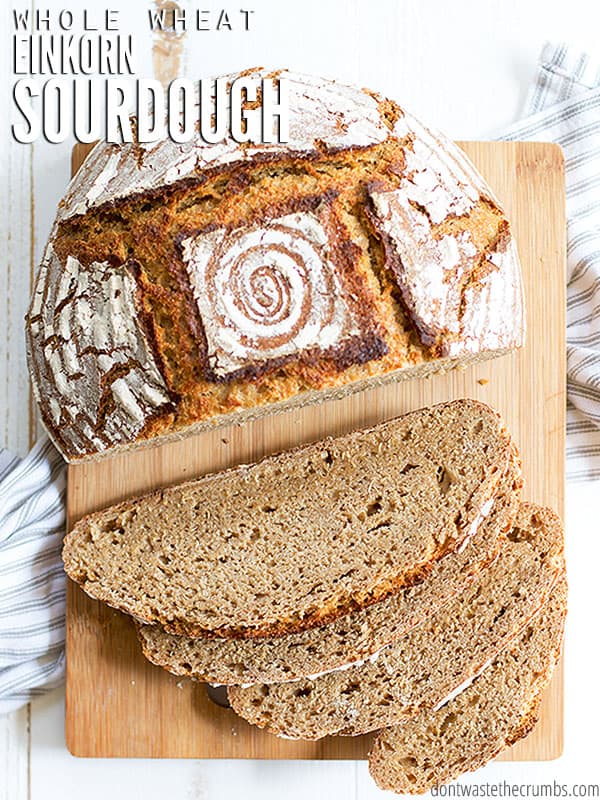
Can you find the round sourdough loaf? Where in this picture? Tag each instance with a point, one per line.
(190, 285)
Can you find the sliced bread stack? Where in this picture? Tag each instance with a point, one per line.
(303, 537)
(493, 712)
(351, 637)
(352, 585)
(423, 667)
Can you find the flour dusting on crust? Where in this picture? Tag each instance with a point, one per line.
(267, 292)
(268, 272)
(101, 382)
(322, 114)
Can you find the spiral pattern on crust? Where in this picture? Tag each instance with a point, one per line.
(265, 293)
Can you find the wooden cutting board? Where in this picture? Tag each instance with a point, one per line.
(120, 705)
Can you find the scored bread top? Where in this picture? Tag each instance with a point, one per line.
(188, 285)
(495, 711)
(302, 537)
(422, 668)
(350, 638)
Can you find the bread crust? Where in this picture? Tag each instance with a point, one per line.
(183, 355)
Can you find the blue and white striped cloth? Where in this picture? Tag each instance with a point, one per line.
(32, 581)
(564, 107)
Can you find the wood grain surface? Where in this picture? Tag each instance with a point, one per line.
(117, 704)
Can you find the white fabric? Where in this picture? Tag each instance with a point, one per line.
(32, 580)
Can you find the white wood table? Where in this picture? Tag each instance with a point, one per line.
(463, 66)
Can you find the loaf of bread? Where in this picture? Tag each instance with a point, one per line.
(348, 639)
(500, 707)
(302, 537)
(432, 661)
(190, 285)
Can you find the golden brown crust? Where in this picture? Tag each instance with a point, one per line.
(527, 725)
(143, 232)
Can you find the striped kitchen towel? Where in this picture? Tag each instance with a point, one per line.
(564, 107)
(32, 581)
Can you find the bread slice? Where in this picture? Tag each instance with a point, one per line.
(302, 537)
(425, 666)
(350, 638)
(496, 710)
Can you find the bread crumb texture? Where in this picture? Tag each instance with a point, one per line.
(420, 670)
(352, 637)
(302, 537)
(499, 708)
